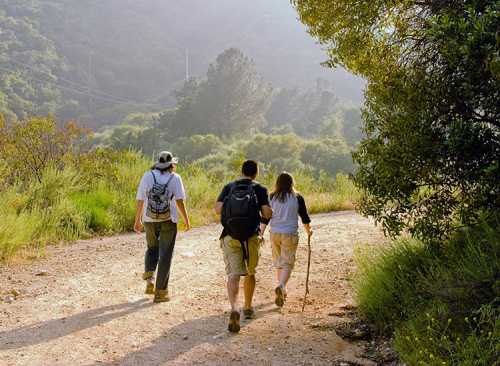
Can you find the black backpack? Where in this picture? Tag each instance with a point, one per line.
(241, 212)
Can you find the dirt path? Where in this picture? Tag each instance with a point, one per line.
(84, 305)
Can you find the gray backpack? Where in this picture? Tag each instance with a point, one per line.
(159, 198)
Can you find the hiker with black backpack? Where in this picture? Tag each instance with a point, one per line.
(160, 194)
(242, 205)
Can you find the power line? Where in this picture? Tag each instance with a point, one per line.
(84, 87)
(82, 92)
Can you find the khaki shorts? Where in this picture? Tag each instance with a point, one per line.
(284, 247)
(233, 255)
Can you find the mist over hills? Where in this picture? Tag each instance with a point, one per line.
(103, 59)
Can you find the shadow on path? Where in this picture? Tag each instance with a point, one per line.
(182, 338)
(56, 328)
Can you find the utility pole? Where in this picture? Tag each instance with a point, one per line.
(89, 81)
(187, 64)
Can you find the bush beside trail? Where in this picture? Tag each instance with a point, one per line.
(442, 304)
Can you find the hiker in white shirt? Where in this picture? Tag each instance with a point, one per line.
(160, 196)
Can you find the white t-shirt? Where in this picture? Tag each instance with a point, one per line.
(175, 186)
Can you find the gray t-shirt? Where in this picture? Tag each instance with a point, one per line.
(286, 214)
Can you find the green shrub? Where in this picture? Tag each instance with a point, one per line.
(432, 338)
(389, 280)
(96, 194)
(95, 206)
(18, 231)
(53, 185)
(424, 294)
(267, 148)
(63, 221)
(330, 155)
(195, 147)
(122, 211)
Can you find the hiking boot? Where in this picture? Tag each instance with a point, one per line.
(280, 297)
(161, 296)
(249, 313)
(234, 322)
(150, 288)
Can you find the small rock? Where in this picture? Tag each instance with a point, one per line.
(347, 306)
(9, 299)
(185, 338)
(42, 273)
(337, 313)
(15, 293)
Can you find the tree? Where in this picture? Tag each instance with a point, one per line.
(232, 99)
(267, 148)
(28, 146)
(195, 147)
(305, 111)
(430, 157)
(28, 61)
(329, 155)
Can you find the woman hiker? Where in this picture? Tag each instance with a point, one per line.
(159, 196)
(287, 206)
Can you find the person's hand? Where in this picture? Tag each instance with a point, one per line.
(138, 227)
(187, 226)
(309, 231)
(262, 229)
(261, 239)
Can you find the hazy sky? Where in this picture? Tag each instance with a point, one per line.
(266, 30)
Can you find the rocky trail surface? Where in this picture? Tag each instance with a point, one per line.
(84, 305)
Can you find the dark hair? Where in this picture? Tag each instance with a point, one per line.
(284, 187)
(169, 169)
(250, 168)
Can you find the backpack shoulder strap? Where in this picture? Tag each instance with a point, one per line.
(232, 187)
(166, 185)
(169, 179)
(154, 177)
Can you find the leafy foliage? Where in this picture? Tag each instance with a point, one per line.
(196, 147)
(29, 147)
(71, 192)
(442, 305)
(430, 158)
(98, 61)
(306, 111)
(28, 63)
(232, 99)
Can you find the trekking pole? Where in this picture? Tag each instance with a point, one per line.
(308, 270)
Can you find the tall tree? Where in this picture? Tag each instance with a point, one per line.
(232, 99)
(430, 157)
(304, 111)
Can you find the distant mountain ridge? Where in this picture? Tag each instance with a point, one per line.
(124, 55)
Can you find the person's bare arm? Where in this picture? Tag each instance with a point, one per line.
(218, 207)
(183, 211)
(138, 217)
(266, 212)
